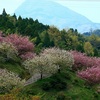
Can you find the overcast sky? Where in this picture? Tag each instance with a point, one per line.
(88, 8)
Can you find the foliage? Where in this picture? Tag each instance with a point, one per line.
(61, 96)
(91, 75)
(22, 44)
(61, 58)
(49, 62)
(8, 97)
(40, 65)
(73, 91)
(8, 80)
(1, 38)
(48, 36)
(36, 98)
(82, 61)
(89, 66)
(88, 49)
(55, 82)
(7, 52)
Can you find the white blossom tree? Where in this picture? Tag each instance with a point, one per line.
(40, 65)
(60, 58)
(8, 80)
(49, 62)
(7, 52)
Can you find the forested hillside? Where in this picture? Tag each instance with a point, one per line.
(41, 62)
(47, 36)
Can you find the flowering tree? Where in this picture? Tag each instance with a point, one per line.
(91, 75)
(60, 58)
(22, 44)
(8, 80)
(82, 61)
(90, 70)
(40, 65)
(7, 52)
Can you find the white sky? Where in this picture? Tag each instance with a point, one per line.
(88, 8)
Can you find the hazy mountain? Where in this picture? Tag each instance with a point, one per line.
(52, 13)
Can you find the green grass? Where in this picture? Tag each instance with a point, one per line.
(61, 85)
(76, 89)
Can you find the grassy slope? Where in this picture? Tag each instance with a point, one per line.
(76, 89)
(16, 68)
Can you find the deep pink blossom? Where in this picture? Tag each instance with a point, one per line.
(92, 75)
(82, 61)
(27, 55)
(22, 44)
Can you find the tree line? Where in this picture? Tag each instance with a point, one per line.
(44, 36)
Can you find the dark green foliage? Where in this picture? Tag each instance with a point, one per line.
(46, 86)
(75, 89)
(47, 36)
(55, 82)
(21, 25)
(4, 12)
(3, 90)
(61, 96)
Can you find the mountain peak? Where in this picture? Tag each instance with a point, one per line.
(52, 13)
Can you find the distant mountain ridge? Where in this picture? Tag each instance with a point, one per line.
(95, 32)
(52, 13)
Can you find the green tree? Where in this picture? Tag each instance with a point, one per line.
(4, 12)
(88, 48)
(55, 35)
(45, 38)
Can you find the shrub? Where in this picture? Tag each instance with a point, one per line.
(36, 98)
(82, 61)
(91, 75)
(61, 96)
(8, 97)
(46, 86)
(27, 55)
(7, 52)
(22, 44)
(55, 82)
(8, 80)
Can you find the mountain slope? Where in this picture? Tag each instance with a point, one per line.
(52, 13)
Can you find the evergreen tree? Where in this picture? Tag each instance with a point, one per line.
(46, 40)
(4, 12)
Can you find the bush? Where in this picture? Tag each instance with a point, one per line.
(8, 97)
(91, 75)
(82, 61)
(22, 44)
(7, 52)
(36, 98)
(60, 86)
(46, 86)
(9, 80)
(55, 82)
(61, 96)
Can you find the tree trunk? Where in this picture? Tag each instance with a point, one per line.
(41, 76)
(58, 70)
